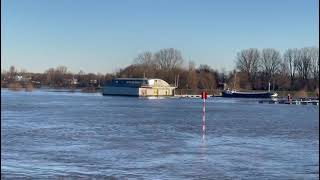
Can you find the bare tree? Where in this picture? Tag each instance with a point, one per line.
(205, 68)
(282, 76)
(50, 76)
(304, 64)
(62, 69)
(248, 62)
(192, 66)
(192, 80)
(207, 80)
(145, 62)
(145, 58)
(314, 55)
(60, 73)
(270, 63)
(12, 72)
(291, 58)
(168, 59)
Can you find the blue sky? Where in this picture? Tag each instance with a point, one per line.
(105, 35)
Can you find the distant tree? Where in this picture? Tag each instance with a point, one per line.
(51, 78)
(60, 75)
(248, 62)
(62, 69)
(168, 59)
(146, 62)
(192, 66)
(238, 80)
(205, 68)
(132, 71)
(145, 58)
(108, 77)
(303, 65)
(12, 72)
(270, 63)
(291, 57)
(314, 55)
(282, 76)
(207, 81)
(207, 77)
(192, 79)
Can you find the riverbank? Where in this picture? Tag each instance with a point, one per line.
(29, 88)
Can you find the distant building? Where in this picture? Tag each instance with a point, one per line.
(138, 87)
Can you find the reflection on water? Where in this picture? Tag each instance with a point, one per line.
(77, 135)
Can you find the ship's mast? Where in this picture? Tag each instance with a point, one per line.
(235, 80)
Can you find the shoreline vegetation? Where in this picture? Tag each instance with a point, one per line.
(217, 93)
(294, 72)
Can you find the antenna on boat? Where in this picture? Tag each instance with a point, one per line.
(175, 81)
(178, 80)
(269, 86)
(235, 79)
(144, 75)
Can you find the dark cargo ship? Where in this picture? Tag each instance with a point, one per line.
(238, 94)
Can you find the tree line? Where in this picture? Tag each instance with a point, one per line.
(294, 69)
(59, 77)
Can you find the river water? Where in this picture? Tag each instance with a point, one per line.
(61, 135)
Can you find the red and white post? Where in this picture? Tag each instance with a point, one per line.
(204, 95)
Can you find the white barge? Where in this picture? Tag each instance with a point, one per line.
(138, 87)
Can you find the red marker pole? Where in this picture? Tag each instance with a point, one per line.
(204, 115)
(204, 97)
